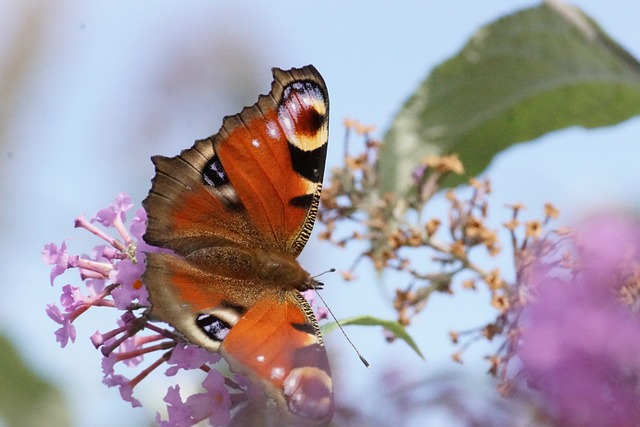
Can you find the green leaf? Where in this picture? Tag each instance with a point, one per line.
(391, 325)
(25, 398)
(527, 74)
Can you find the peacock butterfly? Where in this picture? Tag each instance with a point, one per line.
(237, 209)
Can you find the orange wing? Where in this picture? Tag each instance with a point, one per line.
(256, 182)
(277, 342)
(184, 214)
(237, 208)
(274, 338)
(274, 154)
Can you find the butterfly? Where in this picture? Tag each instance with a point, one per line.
(237, 209)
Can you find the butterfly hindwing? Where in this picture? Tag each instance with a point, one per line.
(269, 334)
(285, 353)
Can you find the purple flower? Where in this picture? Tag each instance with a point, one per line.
(214, 404)
(108, 363)
(57, 257)
(94, 286)
(125, 387)
(580, 344)
(186, 356)
(218, 399)
(114, 212)
(132, 344)
(127, 274)
(71, 297)
(97, 339)
(139, 225)
(179, 414)
(115, 215)
(67, 331)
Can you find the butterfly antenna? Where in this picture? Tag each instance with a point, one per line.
(362, 359)
(331, 270)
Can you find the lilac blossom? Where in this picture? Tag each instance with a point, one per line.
(58, 257)
(111, 274)
(115, 215)
(125, 387)
(214, 404)
(580, 343)
(67, 331)
(127, 273)
(186, 356)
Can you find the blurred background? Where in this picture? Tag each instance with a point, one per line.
(90, 90)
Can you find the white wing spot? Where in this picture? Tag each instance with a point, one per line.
(260, 359)
(272, 130)
(255, 143)
(286, 123)
(277, 373)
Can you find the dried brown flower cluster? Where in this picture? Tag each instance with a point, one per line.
(433, 251)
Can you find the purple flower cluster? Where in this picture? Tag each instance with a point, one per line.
(580, 345)
(111, 275)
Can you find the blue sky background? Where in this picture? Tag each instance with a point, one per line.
(111, 83)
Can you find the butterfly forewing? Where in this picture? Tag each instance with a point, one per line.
(184, 214)
(274, 152)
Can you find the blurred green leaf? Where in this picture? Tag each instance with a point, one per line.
(27, 400)
(527, 74)
(392, 326)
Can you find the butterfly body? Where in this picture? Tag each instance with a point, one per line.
(236, 209)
